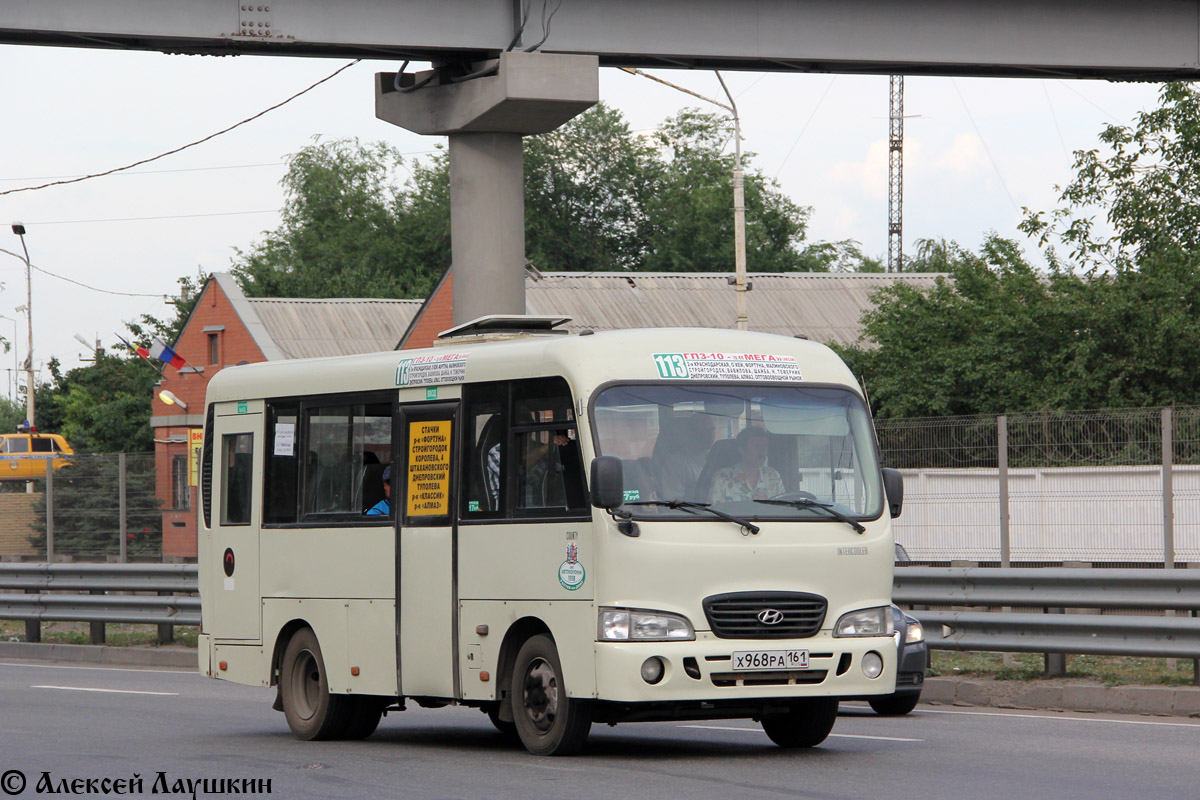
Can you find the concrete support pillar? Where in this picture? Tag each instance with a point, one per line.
(485, 108)
(487, 224)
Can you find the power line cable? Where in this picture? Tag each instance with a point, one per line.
(151, 219)
(1054, 116)
(77, 283)
(983, 142)
(236, 125)
(816, 108)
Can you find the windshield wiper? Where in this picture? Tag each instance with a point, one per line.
(828, 508)
(689, 506)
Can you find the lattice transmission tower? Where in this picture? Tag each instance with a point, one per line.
(896, 174)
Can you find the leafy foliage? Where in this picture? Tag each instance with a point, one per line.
(597, 197)
(349, 231)
(1147, 184)
(100, 408)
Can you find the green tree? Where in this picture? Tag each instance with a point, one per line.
(346, 229)
(103, 407)
(587, 186)
(597, 197)
(690, 212)
(986, 340)
(1147, 185)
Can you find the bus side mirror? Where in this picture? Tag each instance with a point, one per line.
(893, 487)
(608, 482)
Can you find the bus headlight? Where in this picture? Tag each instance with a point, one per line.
(634, 625)
(867, 622)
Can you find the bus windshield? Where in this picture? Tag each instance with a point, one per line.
(734, 447)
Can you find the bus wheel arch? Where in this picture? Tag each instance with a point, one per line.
(312, 711)
(549, 721)
(518, 633)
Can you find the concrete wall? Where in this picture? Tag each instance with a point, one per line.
(1098, 514)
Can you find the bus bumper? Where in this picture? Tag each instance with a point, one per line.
(703, 670)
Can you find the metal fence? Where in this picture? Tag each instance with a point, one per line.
(95, 508)
(150, 594)
(1111, 488)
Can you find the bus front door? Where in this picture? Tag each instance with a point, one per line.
(423, 491)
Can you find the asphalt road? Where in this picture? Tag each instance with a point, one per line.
(83, 722)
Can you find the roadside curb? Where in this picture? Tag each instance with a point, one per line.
(1163, 701)
(172, 657)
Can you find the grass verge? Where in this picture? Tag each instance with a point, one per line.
(1108, 670)
(119, 635)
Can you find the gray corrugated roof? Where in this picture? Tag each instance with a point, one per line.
(826, 307)
(310, 328)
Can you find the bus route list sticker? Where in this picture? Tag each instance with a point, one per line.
(429, 468)
(571, 573)
(727, 366)
(423, 370)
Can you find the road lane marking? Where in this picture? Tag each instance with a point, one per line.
(35, 665)
(1065, 719)
(839, 735)
(104, 691)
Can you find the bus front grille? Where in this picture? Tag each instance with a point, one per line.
(765, 615)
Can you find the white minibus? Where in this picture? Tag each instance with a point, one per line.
(558, 530)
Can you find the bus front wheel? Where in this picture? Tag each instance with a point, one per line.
(548, 721)
(806, 723)
(311, 711)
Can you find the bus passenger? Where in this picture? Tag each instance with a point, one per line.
(682, 468)
(751, 478)
(384, 506)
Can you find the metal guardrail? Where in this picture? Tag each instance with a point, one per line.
(149, 594)
(1055, 589)
(40, 593)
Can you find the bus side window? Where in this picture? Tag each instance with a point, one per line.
(237, 451)
(485, 445)
(280, 474)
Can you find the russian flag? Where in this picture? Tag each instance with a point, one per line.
(166, 354)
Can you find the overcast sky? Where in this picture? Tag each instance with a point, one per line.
(975, 152)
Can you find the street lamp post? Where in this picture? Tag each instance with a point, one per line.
(739, 199)
(19, 230)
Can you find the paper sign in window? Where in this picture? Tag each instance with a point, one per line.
(285, 438)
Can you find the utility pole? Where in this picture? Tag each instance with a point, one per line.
(895, 173)
(19, 230)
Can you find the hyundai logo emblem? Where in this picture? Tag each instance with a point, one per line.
(770, 616)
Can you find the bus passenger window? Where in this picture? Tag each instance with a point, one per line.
(281, 464)
(237, 451)
(346, 448)
(541, 456)
(485, 449)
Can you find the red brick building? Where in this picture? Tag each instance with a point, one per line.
(226, 329)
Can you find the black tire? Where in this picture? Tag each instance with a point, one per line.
(895, 705)
(365, 713)
(312, 712)
(806, 724)
(508, 730)
(548, 721)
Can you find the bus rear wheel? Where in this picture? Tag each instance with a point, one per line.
(312, 712)
(548, 721)
(806, 723)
